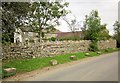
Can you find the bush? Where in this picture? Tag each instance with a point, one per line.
(93, 46)
(52, 39)
(108, 49)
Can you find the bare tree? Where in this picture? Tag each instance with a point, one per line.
(72, 24)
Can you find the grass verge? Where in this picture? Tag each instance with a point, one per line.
(39, 63)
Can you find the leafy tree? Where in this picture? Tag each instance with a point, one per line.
(104, 33)
(14, 15)
(44, 16)
(93, 30)
(92, 26)
(117, 32)
(41, 16)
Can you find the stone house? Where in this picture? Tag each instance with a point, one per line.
(24, 34)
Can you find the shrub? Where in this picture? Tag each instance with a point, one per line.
(108, 49)
(93, 46)
(52, 38)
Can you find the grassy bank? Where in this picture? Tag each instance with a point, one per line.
(39, 63)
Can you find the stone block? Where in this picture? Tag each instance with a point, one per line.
(98, 52)
(10, 70)
(73, 57)
(53, 62)
(34, 57)
(87, 54)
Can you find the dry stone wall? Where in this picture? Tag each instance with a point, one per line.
(107, 44)
(48, 49)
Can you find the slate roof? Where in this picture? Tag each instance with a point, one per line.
(26, 29)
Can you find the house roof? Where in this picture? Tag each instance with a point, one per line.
(26, 29)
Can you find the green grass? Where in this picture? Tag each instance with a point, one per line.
(109, 50)
(39, 63)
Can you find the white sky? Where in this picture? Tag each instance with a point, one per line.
(108, 11)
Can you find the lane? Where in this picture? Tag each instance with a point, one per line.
(102, 68)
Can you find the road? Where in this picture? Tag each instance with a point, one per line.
(101, 68)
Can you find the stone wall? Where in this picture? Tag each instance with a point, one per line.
(52, 48)
(107, 44)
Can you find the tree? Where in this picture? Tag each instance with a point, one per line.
(40, 15)
(14, 15)
(71, 24)
(117, 32)
(93, 28)
(44, 16)
(94, 31)
(104, 33)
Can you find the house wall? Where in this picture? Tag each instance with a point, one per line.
(27, 36)
(47, 49)
(18, 34)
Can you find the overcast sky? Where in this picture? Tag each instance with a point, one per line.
(108, 11)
